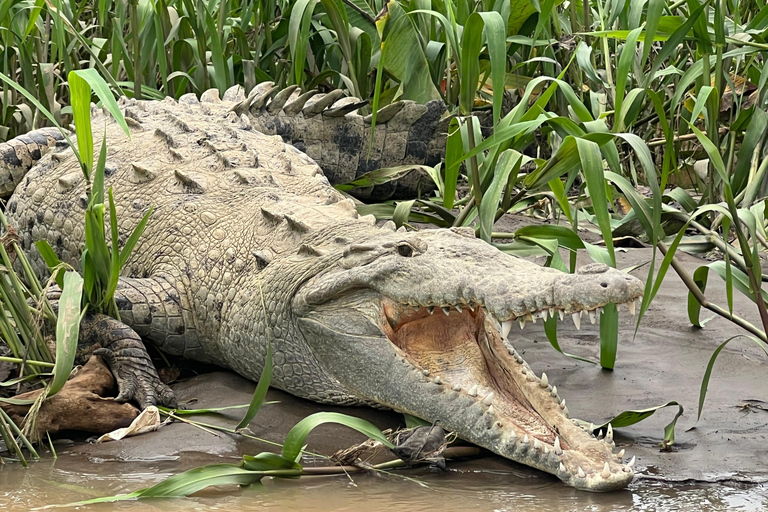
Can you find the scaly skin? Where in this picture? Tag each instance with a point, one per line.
(248, 244)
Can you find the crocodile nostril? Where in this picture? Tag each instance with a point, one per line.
(604, 285)
(405, 250)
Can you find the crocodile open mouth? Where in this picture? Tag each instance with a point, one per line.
(464, 351)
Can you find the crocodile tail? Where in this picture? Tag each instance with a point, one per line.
(19, 154)
(329, 129)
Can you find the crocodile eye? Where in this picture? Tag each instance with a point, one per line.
(405, 250)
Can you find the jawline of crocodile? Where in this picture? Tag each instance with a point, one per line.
(336, 286)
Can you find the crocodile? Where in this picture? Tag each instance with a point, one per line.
(249, 247)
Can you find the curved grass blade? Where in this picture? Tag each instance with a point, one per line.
(297, 437)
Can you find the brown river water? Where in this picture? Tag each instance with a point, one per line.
(469, 485)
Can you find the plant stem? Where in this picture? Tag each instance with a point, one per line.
(25, 361)
(702, 299)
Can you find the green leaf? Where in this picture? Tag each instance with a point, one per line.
(267, 461)
(104, 93)
(711, 364)
(80, 97)
(628, 418)
(51, 260)
(505, 173)
(67, 330)
(261, 390)
(297, 436)
(592, 166)
(694, 308)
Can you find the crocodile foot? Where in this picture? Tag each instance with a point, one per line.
(128, 360)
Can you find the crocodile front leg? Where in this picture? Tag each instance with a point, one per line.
(159, 312)
(127, 359)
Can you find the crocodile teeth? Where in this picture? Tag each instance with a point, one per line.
(431, 309)
(581, 473)
(530, 318)
(562, 468)
(505, 328)
(591, 429)
(525, 439)
(472, 391)
(446, 310)
(592, 316)
(631, 463)
(552, 312)
(456, 387)
(562, 404)
(560, 312)
(554, 391)
(609, 434)
(565, 412)
(631, 306)
(600, 310)
(521, 320)
(425, 373)
(577, 320)
(488, 400)
(546, 450)
(458, 308)
(544, 382)
(544, 314)
(606, 473)
(558, 449)
(471, 308)
(438, 380)
(490, 410)
(620, 455)
(536, 444)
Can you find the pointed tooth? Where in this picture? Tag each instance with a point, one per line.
(544, 382)
(600, 310)
(456, 387)
(518, 358)
(544, 314)
(536, 444)
(562, 468)
(471, 307)
(631, 306)
(521, 321)
(577, 320)
(565, 412)
(472, 391)
(490, 410)
(438, 380)
(592, 316)
(558, 448)
(525, 439)
(609, 434)
(458, 308)
(530, 318)
(581, 473)
(551, 312)
(562, 404)
(505, 328)
(512, 437)
(631, 463)
(431, 309)
(606, 473)
(425, 373)
(446, 310)
(591, 429)
(620, 455)
(561, 314)
(554, 391)
(488, 400)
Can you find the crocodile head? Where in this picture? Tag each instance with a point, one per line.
(419, 322)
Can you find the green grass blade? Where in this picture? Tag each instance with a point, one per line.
(67, 330)
(261, 390)
(711, 364)
(297, 436)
